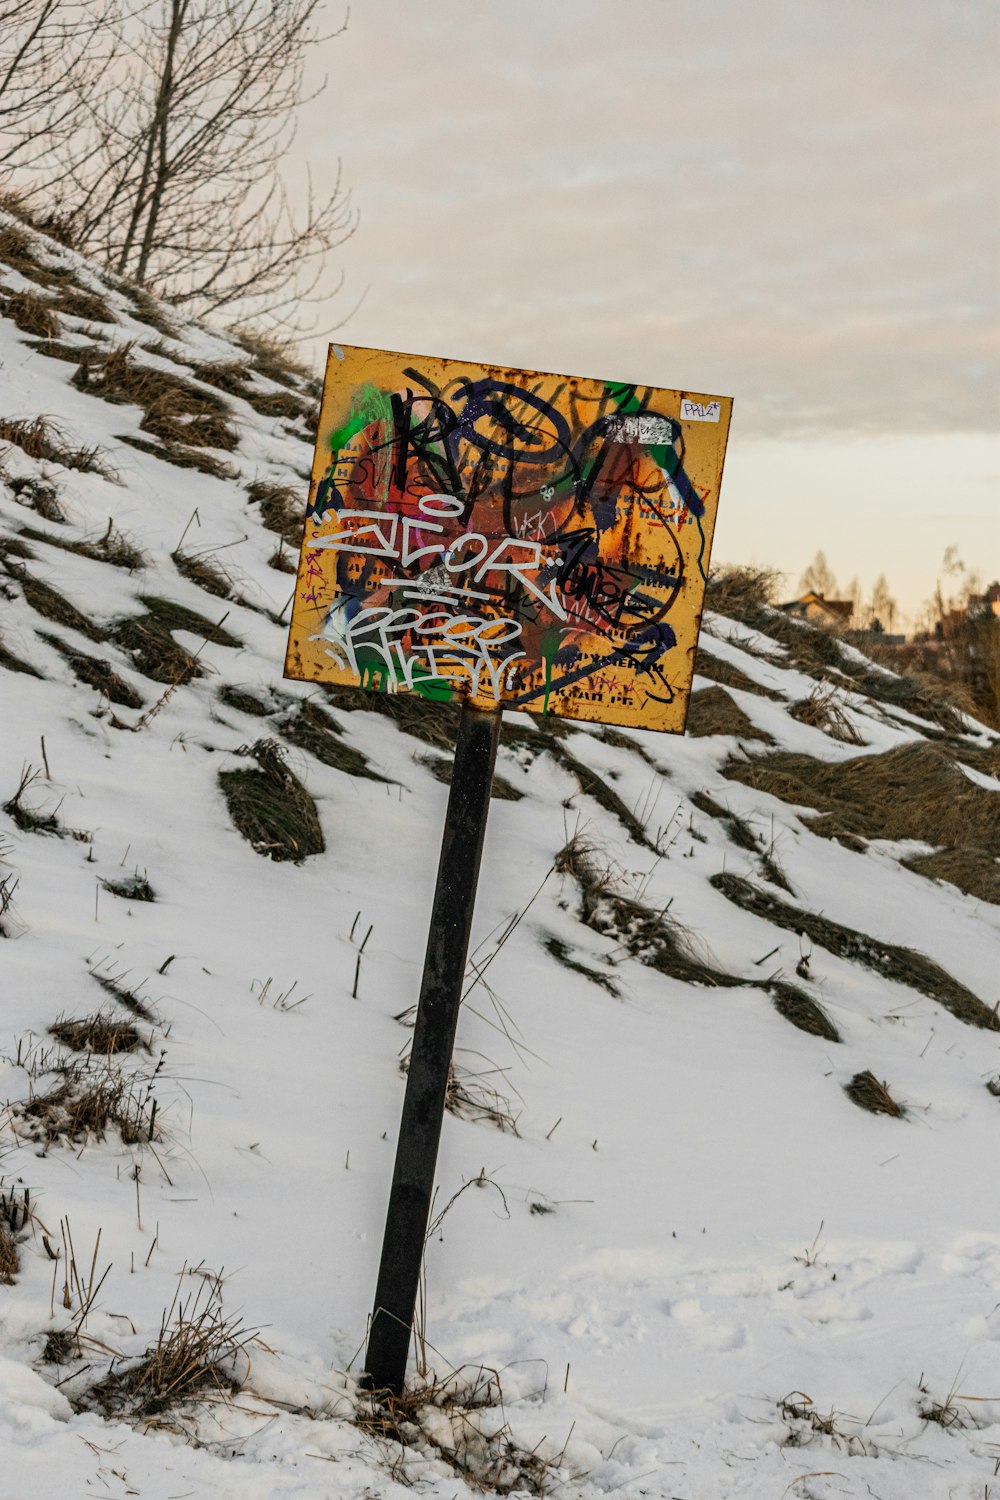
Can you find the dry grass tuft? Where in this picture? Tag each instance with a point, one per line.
(47, 601)
(40, 496)
(123, 994)
(201, 570)
(562, 955)
(78, 302)
(460, 1421)
(823, 710)
(100, 1034)
(741, 593)
(154, 652)
(94, 1098)
(425, 719)
(272, 357)
(14, 663)
(174, 409)
(730, 676)
(27, 819)
(63, 350)
(96, 673)
(912, 792)
(311, 729)
(653, 937)
(41, 438)
(182, 457)
(199, 1353)
(146, 309)
(32, 314)
(171, 616)
(903, 965)
(244, 701)
(270, 807)
(133, 887)
(868, 1093)
(971, 870)
(801, 1010)
(231, 376)
(743, 836)
(112, 546)
(441, 768)
(282, 509)
(713, 711)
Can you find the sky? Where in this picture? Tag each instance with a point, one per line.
(793, 204)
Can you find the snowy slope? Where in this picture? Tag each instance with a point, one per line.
(693, 1266)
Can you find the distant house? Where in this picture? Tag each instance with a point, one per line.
(988, 603)
(819, 611)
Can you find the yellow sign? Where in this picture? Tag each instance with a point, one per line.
(534, 541)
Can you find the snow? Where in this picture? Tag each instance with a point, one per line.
(734, 1257)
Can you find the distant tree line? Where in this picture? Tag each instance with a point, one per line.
(152, 135)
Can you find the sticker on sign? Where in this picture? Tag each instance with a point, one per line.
(700, 411)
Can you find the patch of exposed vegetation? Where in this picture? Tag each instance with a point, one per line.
(134, 887)
(903, 965)
(203, 571)
(270, 807)
(441, 768)
(175, 410)
(112, 546)
(972, 870)
(96, 673)
(101, 1034)
(40, 495)
(868, 1093)
(31, 313)
(823, 710)
(40, 437)
(172, 616)
(311, 729)
(48, 602)
(801, 1009)
(14, 663)
(93, 1098)
(729, 676)
(713, 711)
(562, 955)
(914, 791)
(154, 652)
(181, 456)
(282, 509)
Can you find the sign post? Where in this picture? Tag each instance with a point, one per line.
(433, 1044)
(502, 539)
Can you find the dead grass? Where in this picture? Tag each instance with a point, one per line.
(201, 570)
(40, 496)
(562, 955)
(460, 1421)
(282, 509)
(33, 315)
(79, 302)
(172, 616)
(101, 1034)
(971, 870)
(112, 546)
(244, 701)
(912, 792)
(311, 729)
(200, 1352)
(231, 376)
(903, 965)
(129, 996)
(272, 357)
(15, 1216)
(423, 718)
(713, 711)
(868, 1093)
(801, 1009)
(182, 457)
(62, 350)
(730, 676)
(29, 819)
(96, 673)
(741, 593)
(653, 937)
(154, 652)
(743, 836)
(14, 663)
(134, 887)
(41, 438)
(146, 309)
(270, 807)
(823, 710)
(175, 410)
(48, 602)
(441, 768)
(94, 1098)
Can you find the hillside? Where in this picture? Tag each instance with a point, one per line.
(715, 1210)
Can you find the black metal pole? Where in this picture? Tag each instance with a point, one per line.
(430, 1055)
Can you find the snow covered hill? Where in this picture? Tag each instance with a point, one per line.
(716, 1214)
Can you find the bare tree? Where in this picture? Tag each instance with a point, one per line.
(883, 605)
(52, 53)
(181, 188)
(818, 578)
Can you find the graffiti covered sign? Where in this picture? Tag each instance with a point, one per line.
(527, 540)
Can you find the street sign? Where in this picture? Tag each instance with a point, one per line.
(503, 539)
(517, 539)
